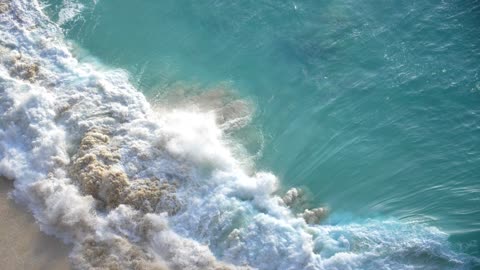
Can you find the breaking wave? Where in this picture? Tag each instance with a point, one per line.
(132, 186)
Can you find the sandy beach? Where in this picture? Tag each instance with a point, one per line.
(22, 244)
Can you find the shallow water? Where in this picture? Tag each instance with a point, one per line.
(373, 107)
(165, 134)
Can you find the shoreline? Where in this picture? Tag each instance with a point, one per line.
(22, 244)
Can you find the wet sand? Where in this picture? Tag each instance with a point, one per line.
(22, 244)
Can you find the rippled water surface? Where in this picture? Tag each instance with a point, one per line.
(372, 106)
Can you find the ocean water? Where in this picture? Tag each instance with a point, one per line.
(371, 106)
(170, 134)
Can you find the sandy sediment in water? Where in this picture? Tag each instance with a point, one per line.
(22, 244)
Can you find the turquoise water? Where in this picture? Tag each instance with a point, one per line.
(372, 106)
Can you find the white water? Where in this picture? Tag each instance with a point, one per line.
(217, 213)
(69, 12)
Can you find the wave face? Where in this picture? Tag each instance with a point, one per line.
(135, 187)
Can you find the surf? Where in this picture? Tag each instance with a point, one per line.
(132, 185)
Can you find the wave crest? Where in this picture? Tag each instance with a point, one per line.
(136, 188)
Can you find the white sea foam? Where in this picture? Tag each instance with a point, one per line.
(136, 188)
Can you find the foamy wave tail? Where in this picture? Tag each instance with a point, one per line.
(136, 188)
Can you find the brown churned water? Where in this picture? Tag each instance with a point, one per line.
(22, 244)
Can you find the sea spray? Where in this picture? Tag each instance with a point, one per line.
(133, 187)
